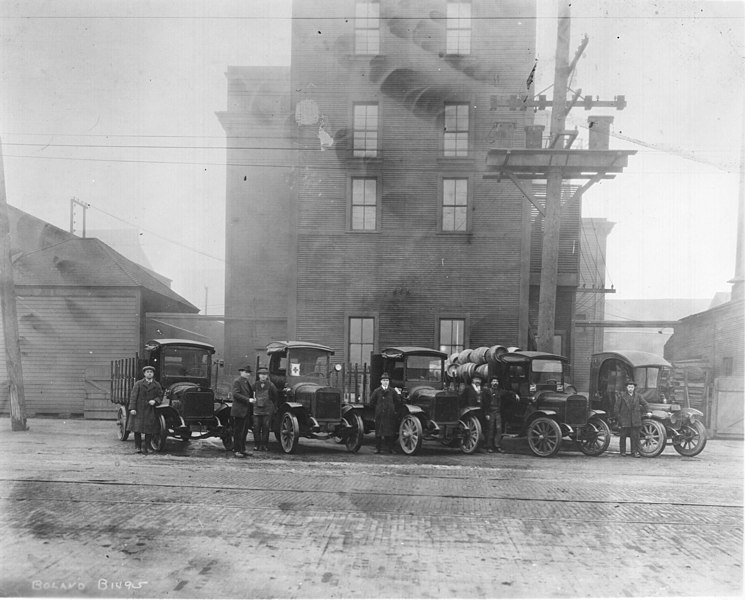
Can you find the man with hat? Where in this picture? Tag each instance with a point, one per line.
(265, 401)
(145, 395)
(492, 407)
(473, 394)
(242, 394)
(628, 408)
(386, 404)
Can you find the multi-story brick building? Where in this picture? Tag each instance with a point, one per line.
(358, 214)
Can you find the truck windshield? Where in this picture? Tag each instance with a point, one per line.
(547, 370)
(647, 378)
(185, 361)
(308, 362)
(424, 368)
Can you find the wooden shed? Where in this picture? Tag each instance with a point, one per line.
(80, 304)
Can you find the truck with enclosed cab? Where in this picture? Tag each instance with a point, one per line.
(309, 406)
(189, 408)
(430, 411)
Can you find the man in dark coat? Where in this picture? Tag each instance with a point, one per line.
(472, 394)
(386, 404)
(492, 407)
(242, 394)
(265, 402)
(145, 395)
(628, 408)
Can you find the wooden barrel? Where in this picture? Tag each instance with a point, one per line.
(465, 372)
(478, 356)
(451, 370)
(483, 372)
(453, 358)
(463, 356)
(494, 352)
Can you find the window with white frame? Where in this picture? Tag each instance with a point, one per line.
(455, 132)
(361, 340)
(452, 335)
(454, 204)
(458, 28)
(367, 27)
(364, 204)
(365, 135)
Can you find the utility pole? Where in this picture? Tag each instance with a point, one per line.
(552, 219)
(73, 203)
(10, 316)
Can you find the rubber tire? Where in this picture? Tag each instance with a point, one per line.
(289, 433)
(354, 439)
(544, 437)
(699, 435)
(597, 430)
(652, 438)
(121, 423)
(471, 435)
(410, 435)
(158, 441)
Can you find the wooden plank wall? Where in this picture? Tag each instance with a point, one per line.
(64, 333)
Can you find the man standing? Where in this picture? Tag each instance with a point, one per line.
(145, 394)
(265, 403)
(242, 393)
(385, 402)
(472, 394)
(628, 409)
(492, 406)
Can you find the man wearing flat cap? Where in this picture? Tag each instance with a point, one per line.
(242, 394)
(628, 409)
(145, 395)
(386, 404)
(266, 399)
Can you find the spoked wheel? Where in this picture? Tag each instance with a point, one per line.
(594, 438)
(289, 433)
(692, 439)
(652, 438)
(410, 435)
(470, 434)
(121, 424)
(355, 437)
(158, 441)
(544, 437)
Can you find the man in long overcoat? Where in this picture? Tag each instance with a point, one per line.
(628, 408)
(386, 403)
(491, 404)
(145, 395)
(242, 394)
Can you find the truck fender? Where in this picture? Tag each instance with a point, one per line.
(413, 409)
(660, 415)
(469, 410)
(173, 419)
(292, 407)
(600, 414)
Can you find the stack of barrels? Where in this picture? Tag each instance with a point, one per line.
(460, 367)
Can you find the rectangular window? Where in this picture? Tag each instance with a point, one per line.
(361, 340)
(458, 28)
(367, 27)
(455, 141)
(454, 204)
(452, 335)
(727, 364)
(364, 203)
(365, 130)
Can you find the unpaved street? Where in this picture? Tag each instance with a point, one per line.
(84, 516)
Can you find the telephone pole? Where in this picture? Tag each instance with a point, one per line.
(552, 219)
(10, 316)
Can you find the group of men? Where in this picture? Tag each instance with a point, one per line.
(261, 398)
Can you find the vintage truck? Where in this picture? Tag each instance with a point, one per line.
(671, 420)
(430, 410)
(309, 406)
(189, 408)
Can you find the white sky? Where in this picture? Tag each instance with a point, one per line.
(114, 103)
